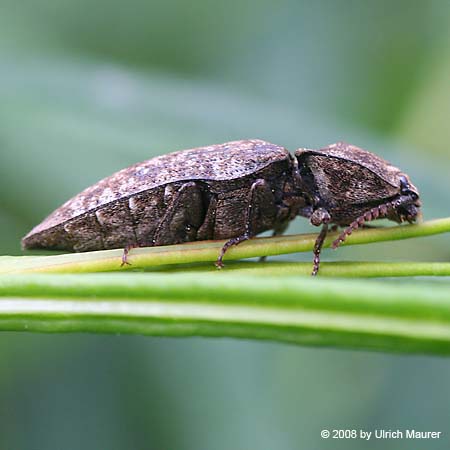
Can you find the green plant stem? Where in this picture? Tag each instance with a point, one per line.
(341, 313)
(337, 269)
(205, 251)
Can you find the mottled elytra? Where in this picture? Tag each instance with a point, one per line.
(229, 191)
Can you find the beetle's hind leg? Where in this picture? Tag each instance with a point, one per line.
(126, 250)
(185, 212)
(183, 216)
(250, 211)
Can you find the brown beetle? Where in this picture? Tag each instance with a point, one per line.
(229, 191)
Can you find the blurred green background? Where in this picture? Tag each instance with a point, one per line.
(87, 88)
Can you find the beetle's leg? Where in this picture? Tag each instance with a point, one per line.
(168, 232)
(320, 216)
(258, 184)
(206, 229)
(318, 247)
(373, 214)
(191, 189)
(228, 244)
(126, 250)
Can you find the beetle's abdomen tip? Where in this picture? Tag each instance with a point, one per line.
(49, 239)
(31, 241)
(27, 241)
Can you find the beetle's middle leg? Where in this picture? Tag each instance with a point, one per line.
(259, 184)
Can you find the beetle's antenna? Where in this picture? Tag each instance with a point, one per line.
(373, 214)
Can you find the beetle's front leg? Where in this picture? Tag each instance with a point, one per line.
(319, 217)
(318, 248)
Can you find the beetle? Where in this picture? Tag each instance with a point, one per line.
(231, 191)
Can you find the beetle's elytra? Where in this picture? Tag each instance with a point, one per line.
(229, 191)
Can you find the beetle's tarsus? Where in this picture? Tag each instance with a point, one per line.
(219, 264)
(126, 250)
(234, 241)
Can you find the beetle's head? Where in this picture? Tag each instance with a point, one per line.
(407, 204)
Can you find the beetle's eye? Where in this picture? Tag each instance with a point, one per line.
(404, 185)
(405, 188)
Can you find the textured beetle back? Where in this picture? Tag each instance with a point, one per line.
(226, 161)
(341, 150)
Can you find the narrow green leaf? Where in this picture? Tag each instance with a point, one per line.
(300, 310)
